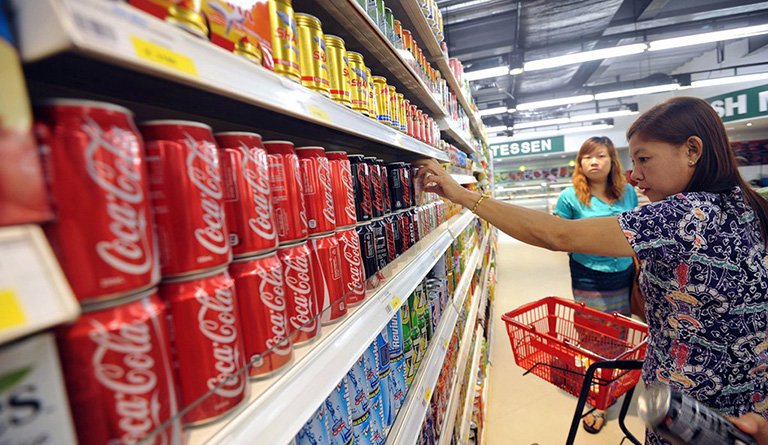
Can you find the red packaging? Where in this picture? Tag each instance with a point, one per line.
(263, 313)
(247, 201)
(187, 197)
(118, 370)
(299, 285)
(95, 165)
(377, 195)
(352, 270)
(410, 112)
(326, 265)
(207, 344)
(418, 125)
(318, 193)
(390, 227)
(343, 190)
(405, 227)
(286, 191)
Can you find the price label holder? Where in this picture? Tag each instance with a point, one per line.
(34, 294)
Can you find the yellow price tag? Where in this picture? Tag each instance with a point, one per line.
(163, 56)
(319, 113)
(395, 303)
(428, 395)
(445, 343)
(11, 314)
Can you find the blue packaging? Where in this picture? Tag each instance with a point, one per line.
(359, 404)
(315, 431)
(371, 369)
(395, 336)
(338, 416)
(382, 345)
(397, 385)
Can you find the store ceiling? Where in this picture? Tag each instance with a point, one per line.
(490, 33)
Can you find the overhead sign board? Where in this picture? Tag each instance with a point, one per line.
(528, 147)
(741, 104)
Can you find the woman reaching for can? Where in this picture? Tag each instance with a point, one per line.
(702, 241)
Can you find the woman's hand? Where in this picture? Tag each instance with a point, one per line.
(435, 179)
(753, 424)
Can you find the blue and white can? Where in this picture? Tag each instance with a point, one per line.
(338, 416)
(382, 345)
(359, 404)
(371, 369)
(315, 431)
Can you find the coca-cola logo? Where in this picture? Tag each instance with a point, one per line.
(203, 172)
(110, 160)
(256, 173)
(298, 280)
(406, 183)
(350, 250)
(294, 160)
(272, 296)
(123, 363)
(349, 191)
(216, 319)
(324, 174)
(365, 188)
(390, 237)
(378, 198)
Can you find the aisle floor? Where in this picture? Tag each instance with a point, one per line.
(526, 410)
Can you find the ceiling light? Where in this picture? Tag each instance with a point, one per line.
(541, 123)
(577, 118)
(496, 129)
(749, 124)
(492, 111)
(555, 102)
(516, 71)
(636, 91)
(729, 79)
(708, 37)
(586, 56)
(486, 73)
(581, 129)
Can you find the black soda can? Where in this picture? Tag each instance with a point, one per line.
(377, 197)
(391, 221)
(412, 182)
(396, 186)
(361, 182)
(380, 240)
(683, 420)
(403, 225)
(390, 231)
(367, 248)
(413, 226)
(383, 171)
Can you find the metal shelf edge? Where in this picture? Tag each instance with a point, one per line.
(465, 421)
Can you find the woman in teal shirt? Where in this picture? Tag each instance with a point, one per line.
(599, 189)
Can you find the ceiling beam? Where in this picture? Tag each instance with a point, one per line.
(652, 10)
(635, 27)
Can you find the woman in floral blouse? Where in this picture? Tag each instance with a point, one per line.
(702, 244)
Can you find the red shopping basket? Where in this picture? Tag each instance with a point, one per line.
(558, 339)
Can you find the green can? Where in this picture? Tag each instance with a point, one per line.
(405, 315)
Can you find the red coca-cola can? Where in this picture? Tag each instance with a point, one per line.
(361, 182)
(318, 193)
(418, 125)
(343, 190)
(352, 269)
(207, 343)
(326, 264)
(287, 192)
(299, 285)
(247, 201)
(187, 197)
(95, 164)
(377, 195)
(119, 371)
(263, 313)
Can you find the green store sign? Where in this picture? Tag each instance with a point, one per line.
(741, 104)
(528, 147)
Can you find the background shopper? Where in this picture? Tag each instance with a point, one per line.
(601, 282)
(702, 241)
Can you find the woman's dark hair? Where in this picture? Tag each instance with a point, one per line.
(674, 121)
(617, 180)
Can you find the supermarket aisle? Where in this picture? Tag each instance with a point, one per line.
(525, 410)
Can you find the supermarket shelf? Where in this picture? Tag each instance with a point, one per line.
(112, 51)
(477, 169)
(350, 21)
(467, 417)
(462, 289)
(411, 15)
(408, 423)
(457, 225)
(278, 407)
(34, 294)
(458, 136)
(464, 179)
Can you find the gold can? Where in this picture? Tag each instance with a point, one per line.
(382, 99)
(358, 75)
(394, 109)
(186, 14)
(313, 60)
(285, 46)
(402, 105)
(339, 70)
(372, 106)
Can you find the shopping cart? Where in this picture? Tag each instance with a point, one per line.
(591, 354)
